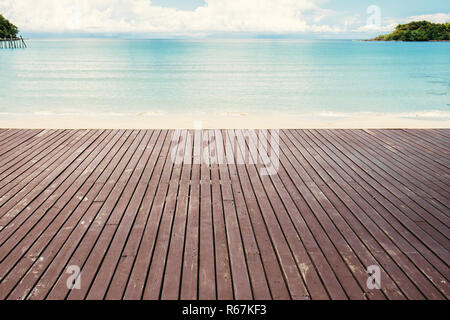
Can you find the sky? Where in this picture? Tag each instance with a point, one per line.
(205, 18)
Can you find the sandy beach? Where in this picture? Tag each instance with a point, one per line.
(232, 121)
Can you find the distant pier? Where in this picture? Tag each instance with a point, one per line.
(12, 43)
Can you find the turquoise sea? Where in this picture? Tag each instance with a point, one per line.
(122, 77)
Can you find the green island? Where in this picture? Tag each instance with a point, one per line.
(418, 31)
(7, 29)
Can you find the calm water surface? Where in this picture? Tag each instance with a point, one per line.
(123, 77)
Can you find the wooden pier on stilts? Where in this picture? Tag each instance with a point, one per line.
(12, 43)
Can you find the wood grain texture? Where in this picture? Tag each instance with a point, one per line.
(164, 214)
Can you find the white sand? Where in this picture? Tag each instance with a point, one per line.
(230, 121)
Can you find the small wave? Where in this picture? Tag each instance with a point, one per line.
(151, 113)
(92, 114)
(333, 114)
(437, 93)
(432, 114)
(425, 115)
(44, 113)
(232, 114)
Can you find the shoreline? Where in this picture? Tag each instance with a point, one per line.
(232, 121)
(382, 40)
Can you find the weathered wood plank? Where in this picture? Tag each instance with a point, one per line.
(163, 214)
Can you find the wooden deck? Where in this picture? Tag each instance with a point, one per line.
(142, 225)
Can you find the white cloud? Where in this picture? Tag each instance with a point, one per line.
(216, 16)
(371, 28)
(141, 16)
(436, 18)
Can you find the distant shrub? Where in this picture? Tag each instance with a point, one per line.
(418, 31)
(7, 29)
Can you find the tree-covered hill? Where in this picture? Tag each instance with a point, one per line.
(7, 29)
(418, 31)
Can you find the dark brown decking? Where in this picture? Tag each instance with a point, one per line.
(141, 226)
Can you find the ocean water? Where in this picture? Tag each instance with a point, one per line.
(245, 77)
